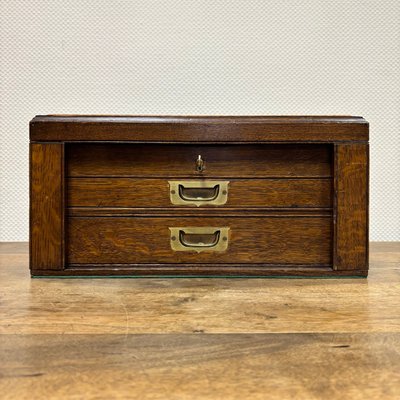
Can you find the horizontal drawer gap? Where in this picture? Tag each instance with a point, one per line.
(204, 208)
(189, 177)
(264, 142)
(73, 213)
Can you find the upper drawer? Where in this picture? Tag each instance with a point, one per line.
(241, 193)
(222, 161)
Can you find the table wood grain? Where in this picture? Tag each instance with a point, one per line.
(200, 338)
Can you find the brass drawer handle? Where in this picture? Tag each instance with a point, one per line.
(198, 193)
(199, 239)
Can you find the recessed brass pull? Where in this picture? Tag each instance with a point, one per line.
(199, 239)
(198, 193)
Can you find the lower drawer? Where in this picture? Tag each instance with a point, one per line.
(212, 240)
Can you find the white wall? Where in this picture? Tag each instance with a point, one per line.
(200, 57)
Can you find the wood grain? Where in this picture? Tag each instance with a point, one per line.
(198, 129)
(200, 338)
(194, 366)
(208, 305)
(46, 206)
(228, 161)
(351, 191)
(298, 195)
(244, 270)
(242, 193)
(264, 240)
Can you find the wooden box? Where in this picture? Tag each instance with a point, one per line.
(198, 196)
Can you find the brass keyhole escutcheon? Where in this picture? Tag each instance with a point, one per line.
(199, 164)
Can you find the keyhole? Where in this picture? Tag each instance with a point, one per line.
(199, 164)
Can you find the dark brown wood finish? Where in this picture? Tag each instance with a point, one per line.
(265, 240)
(297, 199)
(351, 191)
(207, 270)
(242, 193)
(198, 270)
(179, 161)
(46, 206)
(198, 129)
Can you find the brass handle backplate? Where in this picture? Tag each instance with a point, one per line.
(198, 193)
(199, 239)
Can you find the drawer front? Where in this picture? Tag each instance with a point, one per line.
(220, 161)
(239, 193)
(213, 240)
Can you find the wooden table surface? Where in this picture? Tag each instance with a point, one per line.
(200, 338)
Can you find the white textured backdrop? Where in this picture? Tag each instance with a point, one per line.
(200, 57)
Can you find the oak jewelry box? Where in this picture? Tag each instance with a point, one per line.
(198, 196)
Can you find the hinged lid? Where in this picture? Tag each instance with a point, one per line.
(188, 129)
